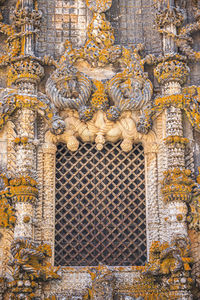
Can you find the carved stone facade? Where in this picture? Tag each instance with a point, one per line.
(98, 91)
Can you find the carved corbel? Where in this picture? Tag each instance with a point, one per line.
(99, 126)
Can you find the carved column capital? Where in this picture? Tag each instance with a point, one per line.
(171, 75)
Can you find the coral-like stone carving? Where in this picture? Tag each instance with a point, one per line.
(194, 207)
(167, 15)
(194, 211)
(25, 15)
(16, 40)
(172, 13)
(99, 99)
(68, 88)
(30, 266)
(25, 69)
(128, 91)
(174, 140)
(99, 5)
(188, 101)
(170, 260)
(100, 35)
(11, 101)
(13, 42)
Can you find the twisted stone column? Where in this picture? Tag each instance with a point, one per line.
(177, 185)
(171, 74)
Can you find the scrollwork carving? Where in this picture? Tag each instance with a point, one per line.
(68, 88)
(128, 89)
(128, 92)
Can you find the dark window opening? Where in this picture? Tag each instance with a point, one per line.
(100, 206)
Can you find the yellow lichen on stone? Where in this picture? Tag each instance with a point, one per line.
(177, 185)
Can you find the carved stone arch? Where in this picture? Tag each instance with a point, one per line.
(99, 130)
(86, 133)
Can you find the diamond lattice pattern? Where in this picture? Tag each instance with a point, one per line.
(100, 206)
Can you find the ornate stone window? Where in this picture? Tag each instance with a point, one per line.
(100, 206)
(97, 150)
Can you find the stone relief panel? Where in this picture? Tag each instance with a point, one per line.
(65, 19)
(132, 21)
(62, 19)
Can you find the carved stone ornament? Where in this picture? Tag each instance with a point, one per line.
(11, 100)
(121, 83)
(171, 13)
(171, 260)
(30, 266)
(177, 185)
(100, 130)
(7, 211)
(188, 101)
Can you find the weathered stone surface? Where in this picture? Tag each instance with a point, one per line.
(75, 70)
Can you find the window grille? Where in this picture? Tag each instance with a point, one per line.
(100, 206)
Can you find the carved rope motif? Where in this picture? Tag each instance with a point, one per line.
(127, 89)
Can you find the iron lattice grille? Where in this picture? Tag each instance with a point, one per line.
(100, 206)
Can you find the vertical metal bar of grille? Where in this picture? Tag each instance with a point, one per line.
(100, 206)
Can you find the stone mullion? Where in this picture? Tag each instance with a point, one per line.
(153, 218)
(48, 214)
